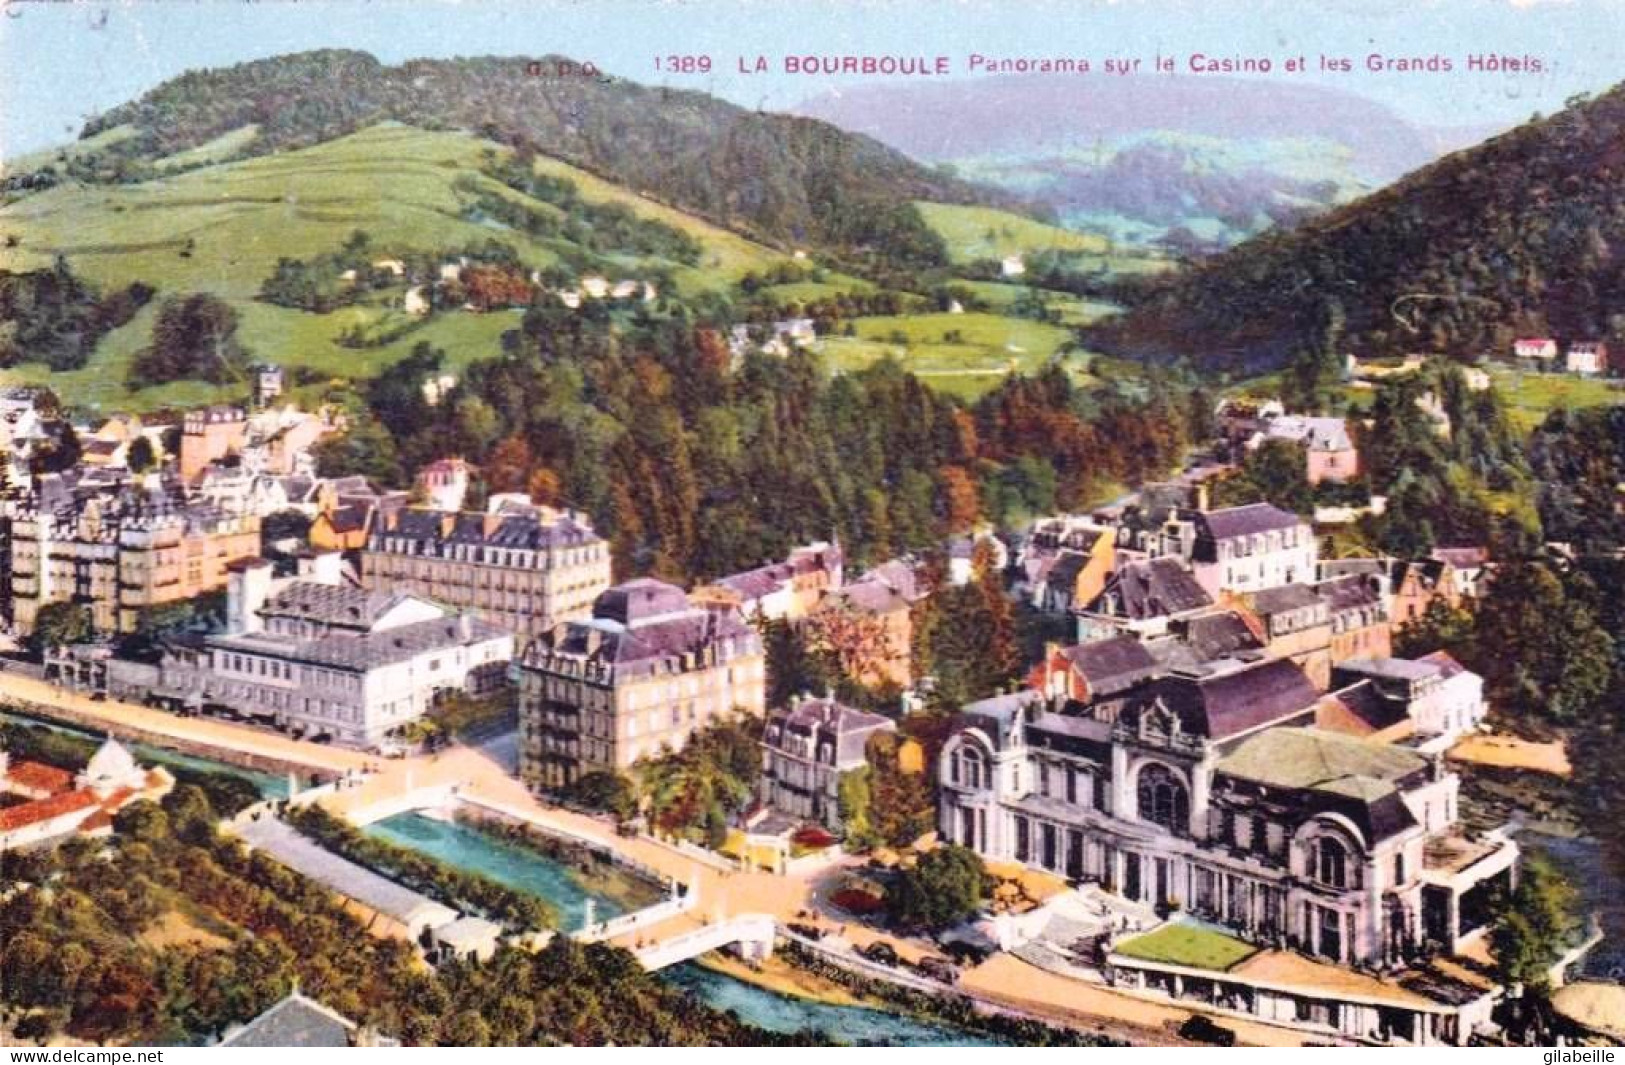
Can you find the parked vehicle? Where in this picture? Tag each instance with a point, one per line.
(1203, 1030)
(939, 969)
(880, 952)
(964, 953)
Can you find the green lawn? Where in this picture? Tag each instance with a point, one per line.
(809, 291)
(226, 146)
(19, 164)
(1074, 310)
(973, 233)
(278, 334)
(964, 354)
(392, 181)
(1192, 945)
(1529, 396)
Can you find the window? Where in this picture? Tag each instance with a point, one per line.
(1331, 862)
(973, 769)
(1399, 868)
(1163, 799)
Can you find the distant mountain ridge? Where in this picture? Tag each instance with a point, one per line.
(1209, 160)
(1524, 233)
(783, 178)
(950, 120)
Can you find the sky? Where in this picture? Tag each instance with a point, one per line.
(60, 63)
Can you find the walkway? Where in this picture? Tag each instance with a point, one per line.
(223, 736)
(721, 894)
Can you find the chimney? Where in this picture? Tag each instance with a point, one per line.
(1201, 496)
(323, 567)
(248, 586)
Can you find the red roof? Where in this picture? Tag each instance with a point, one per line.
(33, 813)
(99, 820)
(36, 776)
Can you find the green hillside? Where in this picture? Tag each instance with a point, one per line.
(1518, 236)
(974, 233)
(222, 228)
(779, 178)
(966, 354)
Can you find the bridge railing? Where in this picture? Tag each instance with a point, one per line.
(747, 928)
(644, 918)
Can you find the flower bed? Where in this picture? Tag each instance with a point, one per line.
(857, 901)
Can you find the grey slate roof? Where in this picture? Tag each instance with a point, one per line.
(664, 627)
(528, 531)
(362, 651)
(1231, 522)
(1151, 588)
(1227, 704)
(1363, 700)
(1446, 662)
(997, 715)
(1063, 572)
(1391, 668)
(331, 604)
(635, 602)
(846, 729)
(296, 1021)
(1316, 433)
(1339, 773)
(1217, 635)
(1349, 592)
(1112, 665)
(302, 855)
(1284, 598)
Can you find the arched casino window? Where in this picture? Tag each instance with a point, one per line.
(1163, 799)
(974, 768)
(1331, 862)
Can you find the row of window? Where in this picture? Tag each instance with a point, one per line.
(513, 558)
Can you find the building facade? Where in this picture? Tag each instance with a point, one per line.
(524, 572)
(209, 435)
(1213, 792)
(646, 671)
(806, 748)
(328, 660)
(781, 591)
(1240, 549)
(121, 556)
(1329, 451)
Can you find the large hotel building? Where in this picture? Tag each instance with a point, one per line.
(524, 571)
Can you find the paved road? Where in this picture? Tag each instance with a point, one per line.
(484, 773)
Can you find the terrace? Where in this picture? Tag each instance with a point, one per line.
(1187, 943)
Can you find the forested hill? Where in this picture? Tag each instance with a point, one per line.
(780, 177)
(1524, 233)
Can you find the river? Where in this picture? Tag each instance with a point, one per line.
(468, 847)
(524, 869)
